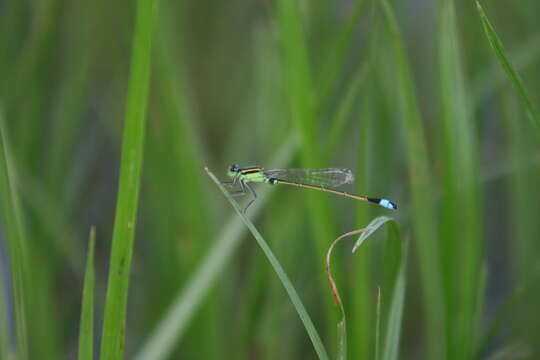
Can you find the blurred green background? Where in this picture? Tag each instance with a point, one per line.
(408, 94)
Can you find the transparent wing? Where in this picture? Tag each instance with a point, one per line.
(327, 177)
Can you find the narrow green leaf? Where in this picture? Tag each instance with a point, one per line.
(513, 75)
(461, 220)
(373, 226)
(112, 346)
(287, 284)
(489, 80)
(16, 239)
(86, 329)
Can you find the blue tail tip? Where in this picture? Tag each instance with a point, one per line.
(388, 204)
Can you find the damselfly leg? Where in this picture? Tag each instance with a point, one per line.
(231, 184)
(252, 192)
(244, 188)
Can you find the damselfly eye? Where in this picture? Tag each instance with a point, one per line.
(233, 168)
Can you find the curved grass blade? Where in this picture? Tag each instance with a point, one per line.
(291, 291)
(393, 327)
(513, 75)
(86, 330)
(373, 226)
(176, 318)
(342, 324)
(112, 346)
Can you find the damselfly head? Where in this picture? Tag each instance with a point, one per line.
(233, 170)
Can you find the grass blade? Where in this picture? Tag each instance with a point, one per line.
(112, 346)
(291, 291)
(513, 75)
(13, 225)
(395, 285)
(86, 330)
(342, 324)
(491, 79)
(461, 195)
(373, 226)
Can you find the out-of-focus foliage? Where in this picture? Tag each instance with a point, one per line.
(408, 94)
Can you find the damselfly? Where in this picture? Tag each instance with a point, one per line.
(317, 179)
